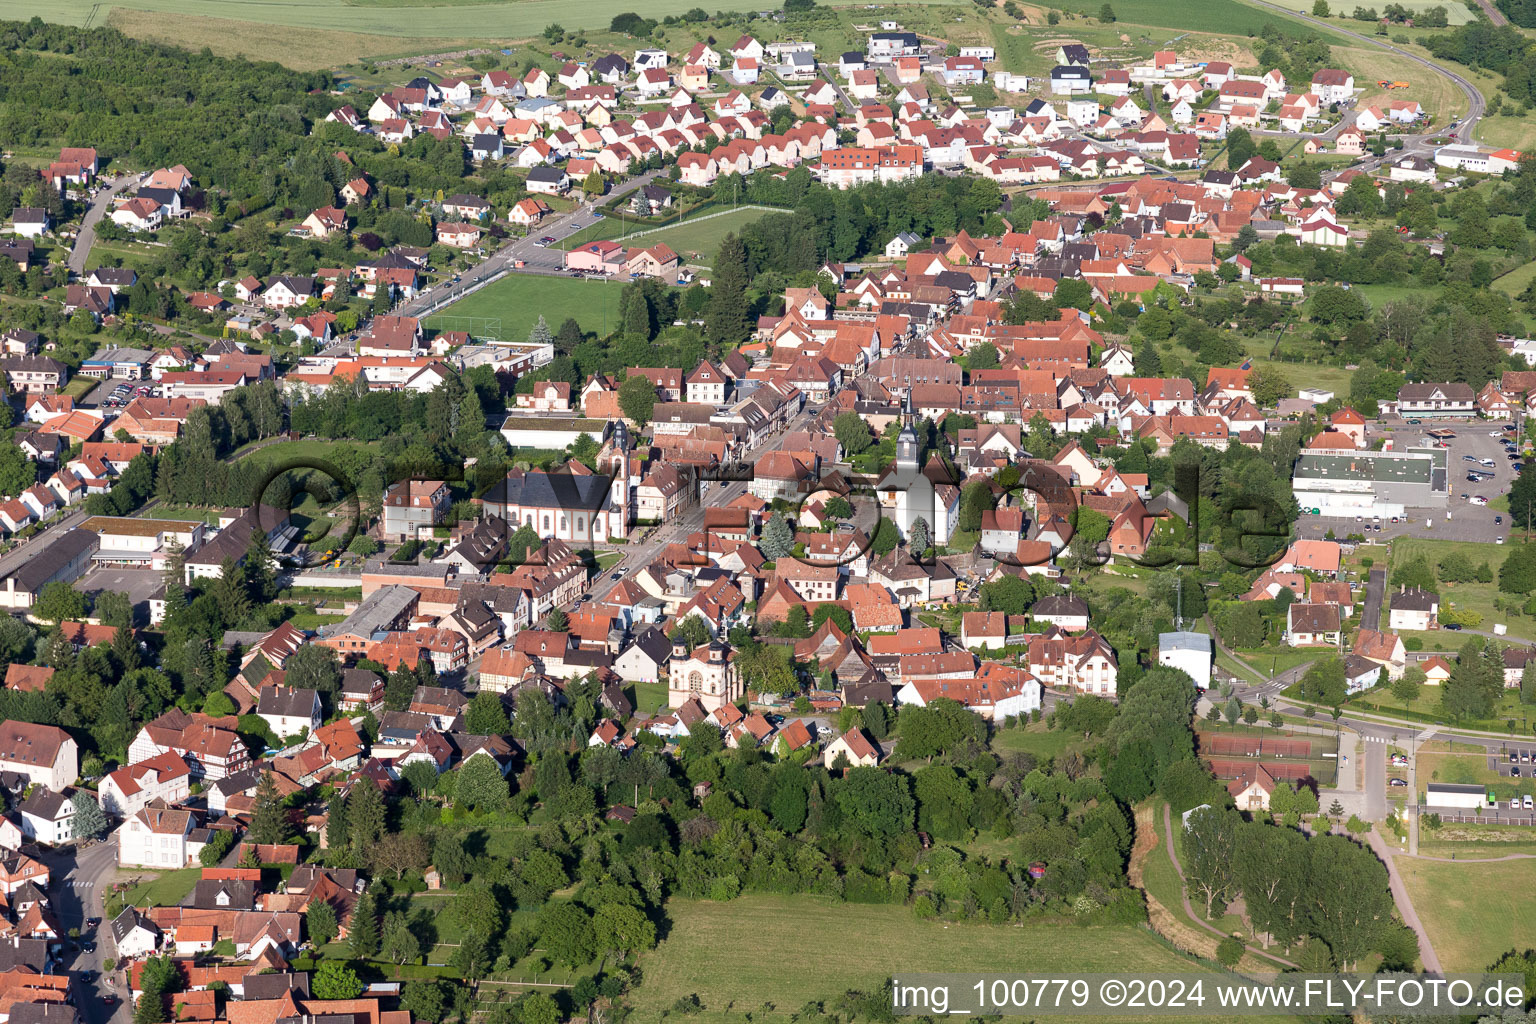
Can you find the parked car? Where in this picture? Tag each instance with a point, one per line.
(1525, 802)
(1398, 782)
(1453, 626)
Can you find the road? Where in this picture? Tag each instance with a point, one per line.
(501, 262)
(641, 554)
(1463, 132)
(78, 881)
(98, 208)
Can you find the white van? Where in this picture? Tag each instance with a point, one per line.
(1526, 802)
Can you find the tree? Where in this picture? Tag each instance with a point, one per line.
(59, 602)
(1107, 14)
(470, 957)
(921, 539)
(335, 980)
(1269, 386)
(365, 817)
(363, 935)
(778, 538)
(1522, 499)
(726, 320)
(637, 398)
(1320, 9)
(556, 621)
(269, 819)
(480, 784)
(320, 919)
(975, 501)
(1229, 950)
(399, 852)
(875, 802)
(851, 432)
(88, 821)
(566, 934)
(620, 928)
(399, 945)
(1406, 687)
(313, 667)
(424, 999)
(486, 715)
(1209, 842)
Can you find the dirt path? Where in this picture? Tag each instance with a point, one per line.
(1173, 855)
(1163, 920)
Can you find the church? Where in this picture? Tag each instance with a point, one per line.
(570, 503)
(908, 491)
(707, 673)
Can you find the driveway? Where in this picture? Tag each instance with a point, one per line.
(1375, 588)
(98, 208)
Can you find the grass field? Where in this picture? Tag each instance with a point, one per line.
(1469, 841)
(1033, 739)
(764, 951)
(695, 239)
(1473, 912)
(1466, 597)
(1456, 13)
(1517, 280)
(520, 299)
(1442, 99)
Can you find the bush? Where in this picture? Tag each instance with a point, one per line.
(1229, 951)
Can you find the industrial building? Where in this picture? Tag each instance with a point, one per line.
(1385, 483)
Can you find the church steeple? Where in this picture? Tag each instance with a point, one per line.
(907, 447)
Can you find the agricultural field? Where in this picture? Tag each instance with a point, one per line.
(1473, 912)
(783, 965)
(520, 299)
(1517, 280)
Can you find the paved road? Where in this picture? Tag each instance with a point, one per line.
(98, 208)
(78, 882)
(1464, 128)
(1404, 904)
(638, 555)
(537, 257)
(1375, 588)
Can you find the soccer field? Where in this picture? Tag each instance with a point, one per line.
(520, 299)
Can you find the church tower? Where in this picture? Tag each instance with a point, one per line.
(907, 447)
(613, 459)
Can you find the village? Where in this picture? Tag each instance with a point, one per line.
(438, 585)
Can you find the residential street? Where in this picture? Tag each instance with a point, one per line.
(79, 878)
(99, 206)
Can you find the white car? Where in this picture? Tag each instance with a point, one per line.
(1525, 802)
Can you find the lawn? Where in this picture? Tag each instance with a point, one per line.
(1034, 739)
(1427, 707)
(783, 951)
(650, 697)
(520, 299)
(1473, 912)
(166, 889)
(1517, 280)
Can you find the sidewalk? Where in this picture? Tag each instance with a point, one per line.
(1388, 856)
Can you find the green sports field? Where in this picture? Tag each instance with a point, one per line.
(520, 299)
(1473, 912)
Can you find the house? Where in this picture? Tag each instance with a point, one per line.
(1412, 168)
(134, 935)
(289, 711)
(550, 181)
(1438, 401)
(1312, 625)
(47, 817)
(458, 236)
(30, 222)
(853, 749)
(1252, 788)
(1413, 609)
(47, 755)
(1066, 611)
(325, 222)
(1333, 85)
(133, 787)
(156, 837)
(1067, 79)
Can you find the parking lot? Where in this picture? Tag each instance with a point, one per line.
(138, 584)
(122, 390)
(1499, 761)
(1467, 521)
